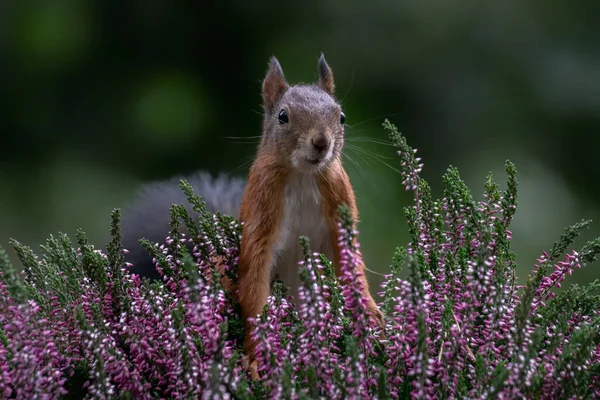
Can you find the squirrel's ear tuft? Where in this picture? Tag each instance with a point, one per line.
(274, 84)
(325, 76)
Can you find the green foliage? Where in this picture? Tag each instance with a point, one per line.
(14, 286)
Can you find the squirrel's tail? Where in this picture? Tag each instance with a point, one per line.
(147, 215)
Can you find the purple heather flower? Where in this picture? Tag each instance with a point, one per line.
(457, 327)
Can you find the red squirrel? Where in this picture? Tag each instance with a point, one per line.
(294, 188)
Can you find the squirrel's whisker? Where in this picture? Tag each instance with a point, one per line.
(241, 137)
(348, 149)
(356, 167)
(324, 177)
(373, 119)
(247, 162)
(348, 90)
(369, 140)
(378, 160)
(354, 162)
(368, 152)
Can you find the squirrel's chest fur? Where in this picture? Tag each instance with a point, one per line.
(303, 216)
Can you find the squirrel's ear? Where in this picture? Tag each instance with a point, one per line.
(274, 84)
(325, 76)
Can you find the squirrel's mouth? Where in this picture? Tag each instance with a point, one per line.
(315, 161)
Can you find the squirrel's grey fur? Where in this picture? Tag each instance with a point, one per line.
(147, 214)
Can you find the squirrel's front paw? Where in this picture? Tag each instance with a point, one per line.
(251, 365)
(377, 317)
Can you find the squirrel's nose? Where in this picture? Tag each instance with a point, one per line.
(320, 143)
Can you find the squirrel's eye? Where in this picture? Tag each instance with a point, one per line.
(283, 117)
(342, 118)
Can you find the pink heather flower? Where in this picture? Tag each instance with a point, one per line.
(31, 365)
(322, 328)
(271, 336)
(360, 376)
(561, 270)
(411, 168)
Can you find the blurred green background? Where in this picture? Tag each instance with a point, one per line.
(100, 96)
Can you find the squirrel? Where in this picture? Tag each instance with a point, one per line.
(294, 188)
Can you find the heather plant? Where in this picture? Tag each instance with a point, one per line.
(457, 324)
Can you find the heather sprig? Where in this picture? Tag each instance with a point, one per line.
(321, 331)
(456, 326)
(8, 276)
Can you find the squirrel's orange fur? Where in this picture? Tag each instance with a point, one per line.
(295, 186)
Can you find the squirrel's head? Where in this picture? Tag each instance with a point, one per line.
(304, 123)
